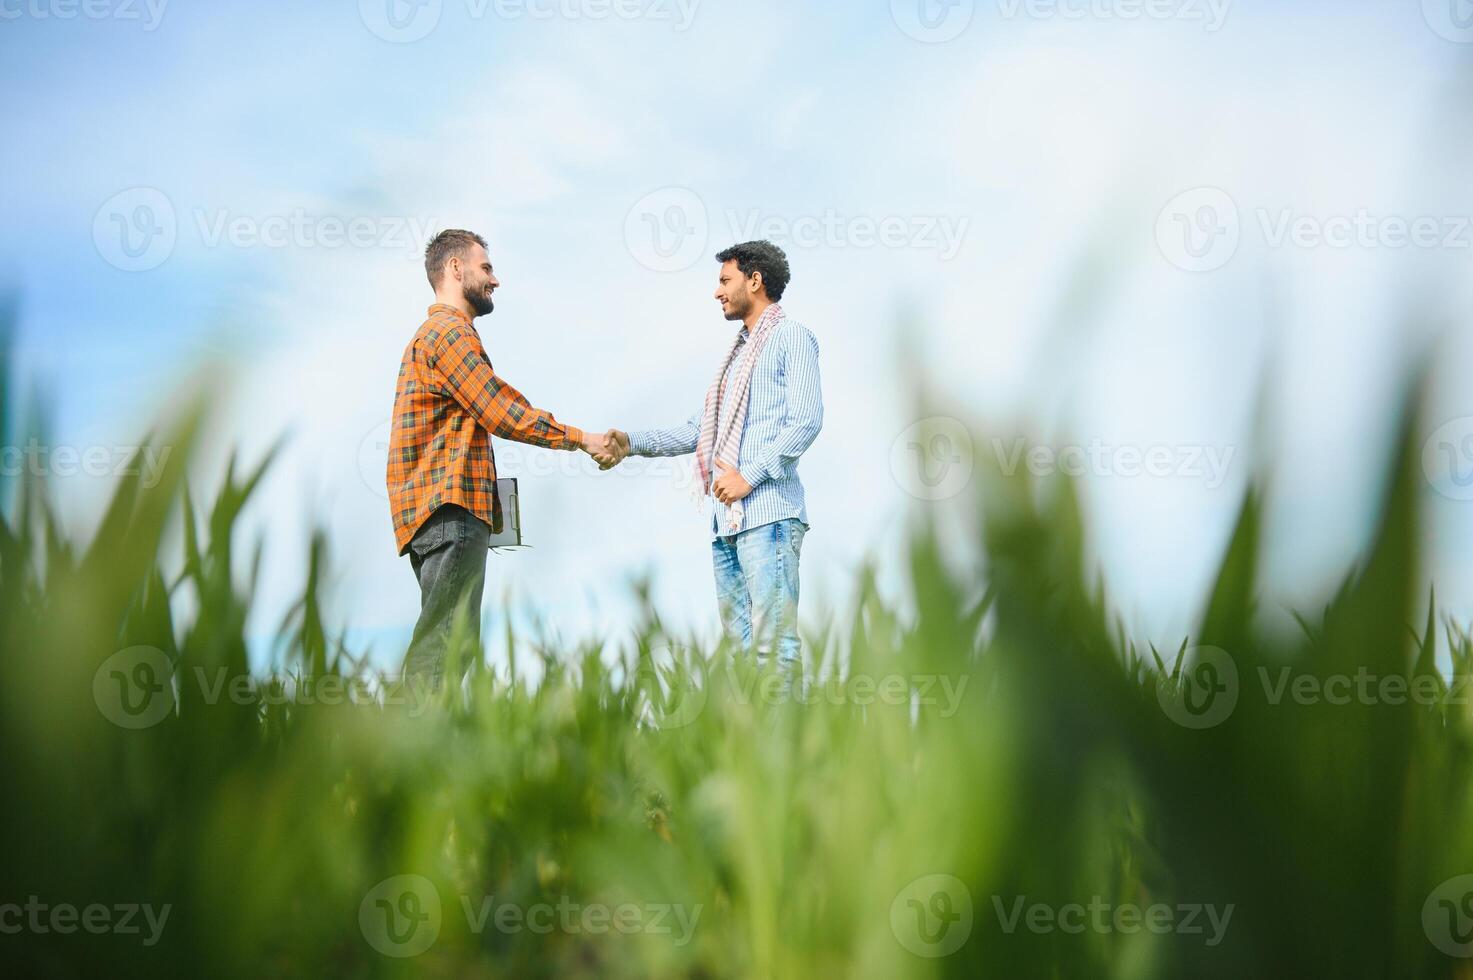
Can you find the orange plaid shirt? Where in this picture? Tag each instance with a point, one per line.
(447, 404)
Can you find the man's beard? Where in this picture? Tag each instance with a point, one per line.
(738, 310)
(479, 299)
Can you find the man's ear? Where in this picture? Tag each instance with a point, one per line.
(756, 280)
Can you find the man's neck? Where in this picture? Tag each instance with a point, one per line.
(755, 313)
(457, 303)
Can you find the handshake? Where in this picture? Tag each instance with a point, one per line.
(607, 450)
(610, 449)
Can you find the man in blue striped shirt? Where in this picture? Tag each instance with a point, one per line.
(758, 517)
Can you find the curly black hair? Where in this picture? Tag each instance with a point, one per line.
(763, 257)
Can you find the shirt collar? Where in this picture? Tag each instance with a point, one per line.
(773, 310)
(449, 309)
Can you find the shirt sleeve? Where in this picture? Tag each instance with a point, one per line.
(676, 441)
(803, 417)
(498, 407)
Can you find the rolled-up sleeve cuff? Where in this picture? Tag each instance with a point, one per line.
(753, 474)
(574, 437)
(641, 443)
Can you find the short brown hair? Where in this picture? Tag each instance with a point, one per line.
(450, 242)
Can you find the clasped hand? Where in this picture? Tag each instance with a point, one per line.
(607, 450)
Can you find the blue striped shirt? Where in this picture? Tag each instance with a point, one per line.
(784, 415)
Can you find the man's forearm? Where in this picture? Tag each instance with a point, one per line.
(498, 407)
(781, 458)
(678, 440)
(803, 416)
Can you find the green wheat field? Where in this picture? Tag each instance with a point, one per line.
(997, 783)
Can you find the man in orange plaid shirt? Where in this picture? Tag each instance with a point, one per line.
(442, 474)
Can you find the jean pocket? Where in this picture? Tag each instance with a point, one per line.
(430, 536)
(795, 531)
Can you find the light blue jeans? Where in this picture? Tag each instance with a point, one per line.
(757, 588)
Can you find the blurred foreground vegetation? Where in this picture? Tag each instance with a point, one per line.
(1000, 784)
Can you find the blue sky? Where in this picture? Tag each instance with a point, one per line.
(941, 182)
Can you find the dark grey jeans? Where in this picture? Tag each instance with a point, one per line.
(448, 554)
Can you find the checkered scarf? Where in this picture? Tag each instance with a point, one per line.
(726, 438)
